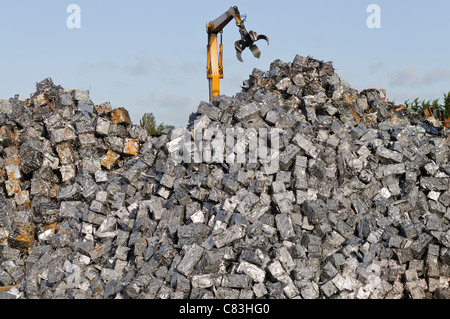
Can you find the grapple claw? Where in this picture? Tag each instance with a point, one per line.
(248, 40)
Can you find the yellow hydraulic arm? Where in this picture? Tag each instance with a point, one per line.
(215, 50)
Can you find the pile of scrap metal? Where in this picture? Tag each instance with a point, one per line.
(357, 207)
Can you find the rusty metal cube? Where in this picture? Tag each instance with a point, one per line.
(13, 186)
(104, 108)
(120, 116)
(109, 159)
(131, 146)
(22, 231)
(66, 153)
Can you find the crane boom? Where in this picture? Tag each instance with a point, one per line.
(215, 49)
(218, 24)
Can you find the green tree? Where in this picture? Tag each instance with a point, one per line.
(435, 104)
(447, 104)
(148, 122)
(408, 105)
(425, 105)
(415, 105)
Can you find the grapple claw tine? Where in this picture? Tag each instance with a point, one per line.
(263, 37)
(238, 55)
(255, 50)
(253, 36)
(238, 46)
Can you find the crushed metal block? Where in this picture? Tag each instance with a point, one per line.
(63, 134)
(110, 159)
(66, 153)
(120, 116)
(22, 231)
(131, 146)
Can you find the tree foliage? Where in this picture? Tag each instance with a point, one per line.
(148, 122)
(416, 105)
(447, 103)
(413, 106)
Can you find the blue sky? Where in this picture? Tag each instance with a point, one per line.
(150, 56)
